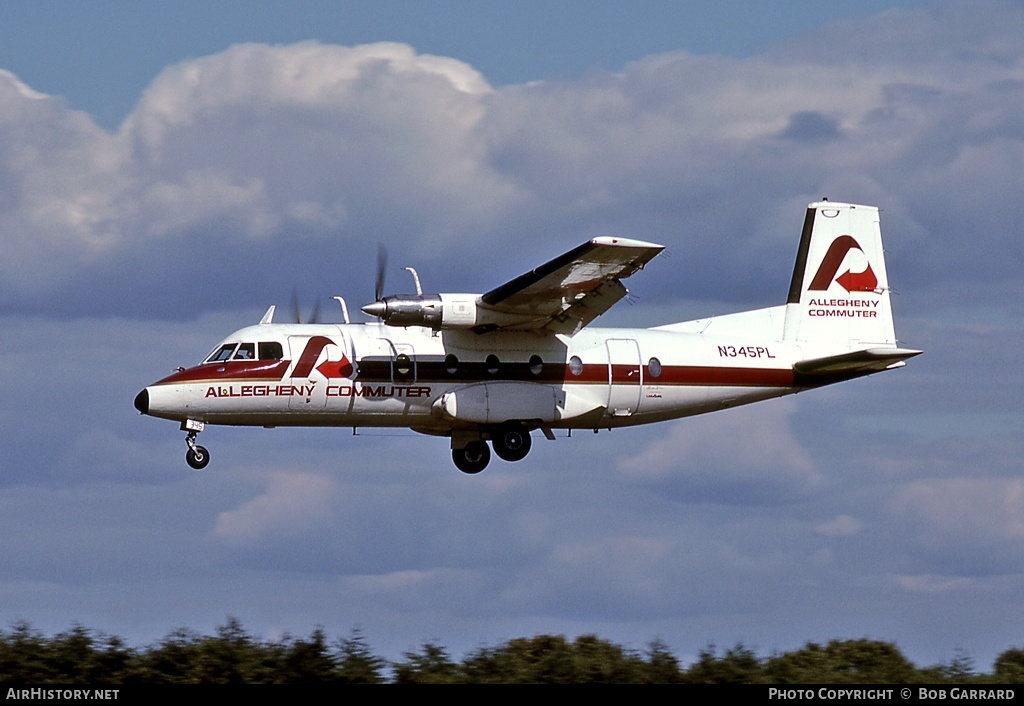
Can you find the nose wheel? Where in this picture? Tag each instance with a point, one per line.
(197, 456)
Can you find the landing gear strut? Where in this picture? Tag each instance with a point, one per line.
(197, 456)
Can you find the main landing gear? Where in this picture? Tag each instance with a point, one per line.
(511, 443)
(473, 457)
(197, 456)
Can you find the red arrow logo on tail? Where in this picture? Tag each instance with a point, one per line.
(858, 281)
(865, 281)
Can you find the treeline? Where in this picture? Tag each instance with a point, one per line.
(232, 656)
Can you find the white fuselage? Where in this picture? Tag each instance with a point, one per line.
(366, 375)
(495, 366)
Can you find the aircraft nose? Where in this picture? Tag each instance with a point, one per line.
(142, 401)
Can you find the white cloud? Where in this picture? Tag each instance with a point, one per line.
(746, 455)
(61, 179)
(933, 584)
(965, 510)
(839, 526)
(360, 131)
(293, 502)
(349, 145)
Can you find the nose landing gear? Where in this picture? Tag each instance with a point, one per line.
(197, 456)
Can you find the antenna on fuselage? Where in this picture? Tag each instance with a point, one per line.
(416, 280)
(344, 309)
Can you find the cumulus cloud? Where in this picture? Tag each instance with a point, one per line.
(746, 455)
(314, 152)
(293, 502)
(346, 146)
(958, 510)
(333, 134)
(61, 179)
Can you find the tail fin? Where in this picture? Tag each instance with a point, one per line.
(839, 296)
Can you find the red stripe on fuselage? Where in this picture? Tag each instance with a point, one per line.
(594, 374)
(230, 370)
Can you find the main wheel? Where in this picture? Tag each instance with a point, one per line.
(511, 443)
(473, 457)
(198, 457)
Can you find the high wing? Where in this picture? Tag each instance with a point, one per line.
(569, 292)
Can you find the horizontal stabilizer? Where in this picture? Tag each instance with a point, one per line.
(866, 361)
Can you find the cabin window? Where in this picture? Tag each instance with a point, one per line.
(492, 364)
(536, 365)
(223, 353)
(654, 367)
(576, 365)
(451, 364)
(271, 350)
(246, 351)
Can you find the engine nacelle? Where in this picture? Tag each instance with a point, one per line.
(499, 402)
(408, 310)
(440, 311)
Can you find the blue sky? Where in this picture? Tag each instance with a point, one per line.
(171, 169)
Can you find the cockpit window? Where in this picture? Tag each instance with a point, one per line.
(223, 353)
(271, 350)
(246, 351)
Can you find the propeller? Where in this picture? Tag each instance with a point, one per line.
(378, 307)
(382, 265)
(403, 309)
(314, 315)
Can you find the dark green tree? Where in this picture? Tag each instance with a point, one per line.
(76, 657)
(1009, 666)
(432, 665)
(860, 661)
(738, 665)
(551, 659)
(308, 661)
(357, 664)
(171, 661)
(24, 656)
(662, 667)
(960, 669)
(598, 661)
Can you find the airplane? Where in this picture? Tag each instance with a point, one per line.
(494, 367)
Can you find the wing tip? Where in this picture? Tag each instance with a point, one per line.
(616, 241)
